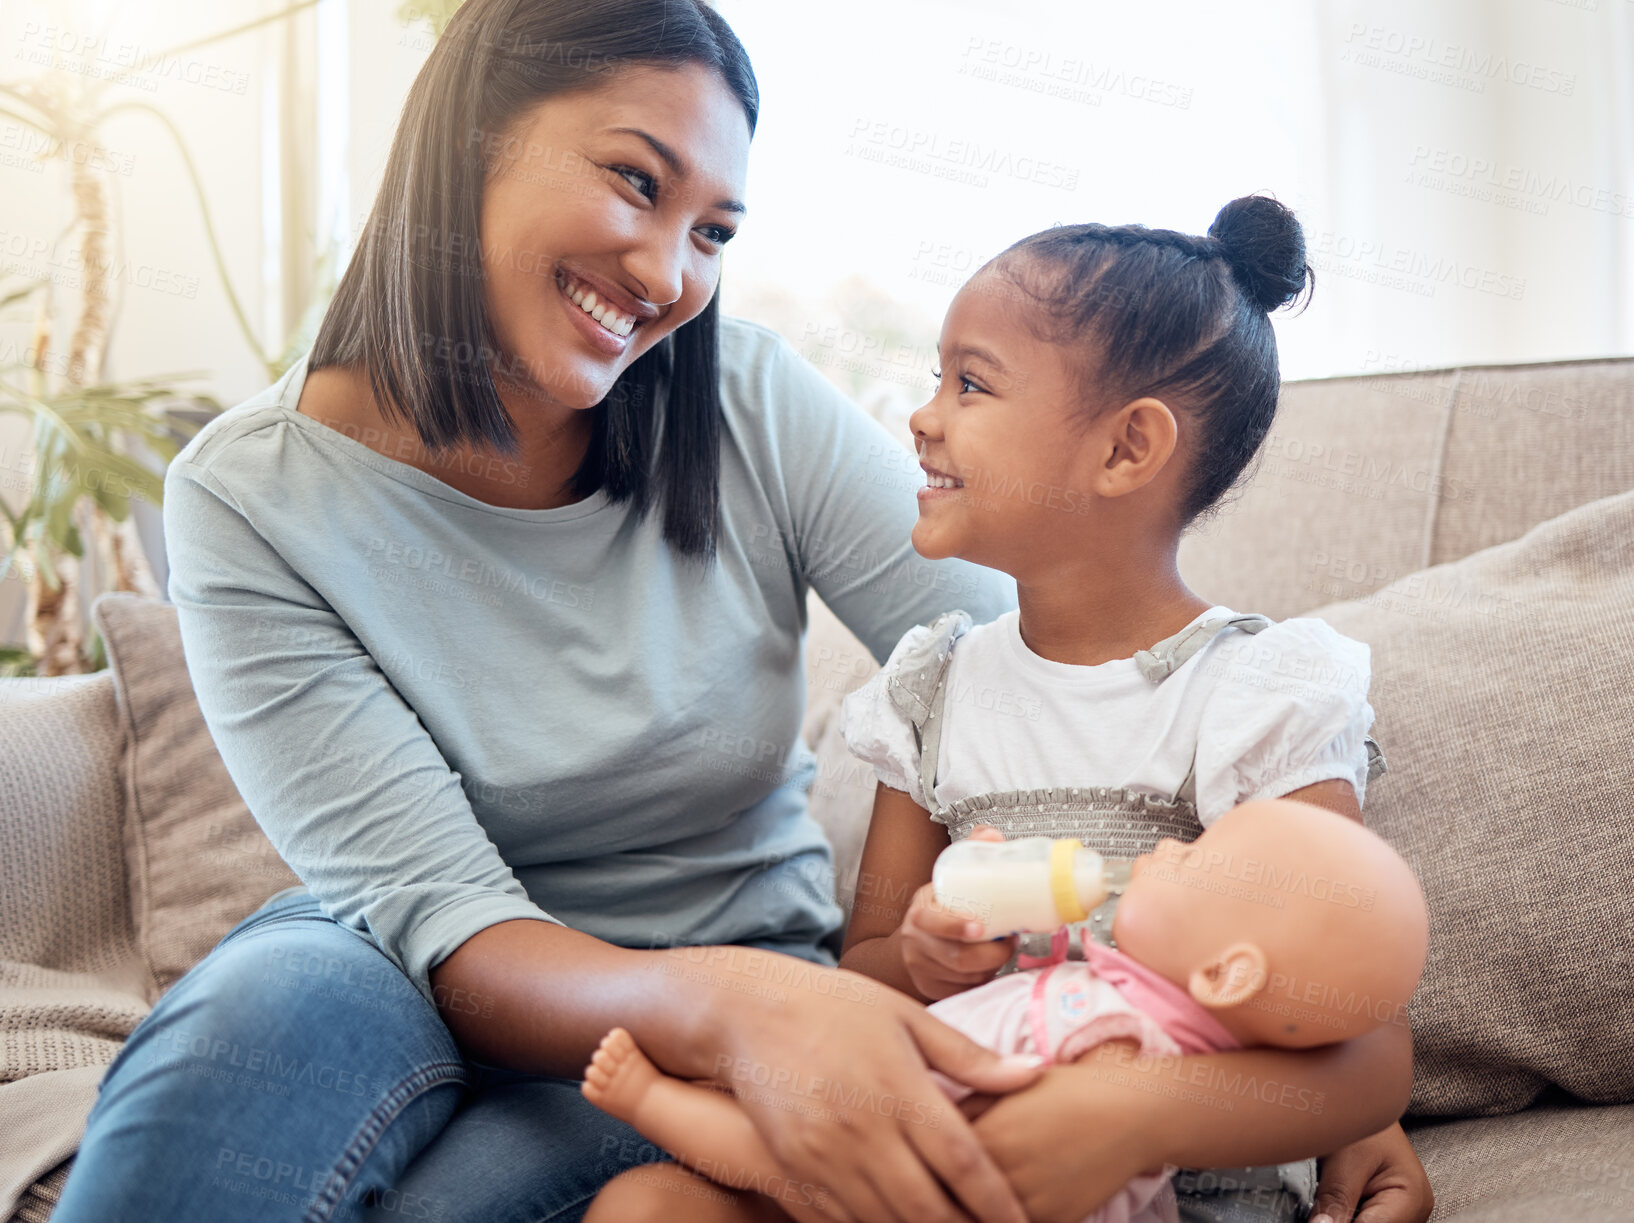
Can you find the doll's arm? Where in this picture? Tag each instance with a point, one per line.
(705, 1130)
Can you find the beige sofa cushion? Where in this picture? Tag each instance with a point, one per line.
(1529, 442)
(842, 793)
(197, 860)
(1505, 708)
(1546, 1165)
(62, 794)
(1339, 503)
(73, 983)
(64, 916)
(1365, 480)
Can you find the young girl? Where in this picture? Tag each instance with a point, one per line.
(1101, 388)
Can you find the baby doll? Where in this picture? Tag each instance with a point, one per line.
(1283, 924)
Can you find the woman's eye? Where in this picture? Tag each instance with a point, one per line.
(720, 235)
(641, 181)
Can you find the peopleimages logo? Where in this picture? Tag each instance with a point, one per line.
(1296, 453)
(1448, 63)
(1403, 267)
(1070, 77)
(944, 156)
(847, 1097)
(1527, 190)
(434, 562)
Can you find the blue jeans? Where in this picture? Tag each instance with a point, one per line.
(295, 1074)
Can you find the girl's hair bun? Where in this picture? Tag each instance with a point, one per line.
(1265, 246)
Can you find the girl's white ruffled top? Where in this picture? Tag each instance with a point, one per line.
(1267, 714)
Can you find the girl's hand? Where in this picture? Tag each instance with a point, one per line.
(1063, 1182)
(944, 952)
(834, 1070)
(1382, 1174)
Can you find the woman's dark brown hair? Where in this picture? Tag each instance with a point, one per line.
(410, 309)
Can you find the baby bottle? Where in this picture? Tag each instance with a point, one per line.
(1033, 884)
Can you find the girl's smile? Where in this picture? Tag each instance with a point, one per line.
(937, 482)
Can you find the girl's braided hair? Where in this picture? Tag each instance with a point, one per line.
(1180, 317)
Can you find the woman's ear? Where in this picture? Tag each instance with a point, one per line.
(1231, 978)
(1140, 439)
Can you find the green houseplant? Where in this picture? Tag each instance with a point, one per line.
(81, 480)
(81, 472)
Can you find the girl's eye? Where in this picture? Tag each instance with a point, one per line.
(720, 235)
(963, 383)
(643, 182)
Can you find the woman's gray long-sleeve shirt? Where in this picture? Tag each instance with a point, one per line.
(447, 714)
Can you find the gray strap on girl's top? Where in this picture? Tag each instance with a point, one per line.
(917, 689)
(1375, 759)
(1170, 654)
(927, 669)
(1167, 656)
(930, 747)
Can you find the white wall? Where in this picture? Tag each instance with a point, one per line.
(1174, 109)
(904, 141)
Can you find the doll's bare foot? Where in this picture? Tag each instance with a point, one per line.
(619, 1077)
(692, 1122)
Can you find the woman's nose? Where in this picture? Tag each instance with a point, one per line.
(659, 264)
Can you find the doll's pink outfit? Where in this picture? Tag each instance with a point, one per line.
(1065, 1008)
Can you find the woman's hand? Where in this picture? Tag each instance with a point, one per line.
(833, 1069)
(1063, 1181)
(944, 952)
(1380, 1173)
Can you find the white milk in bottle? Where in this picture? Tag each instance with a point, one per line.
(1033, 884)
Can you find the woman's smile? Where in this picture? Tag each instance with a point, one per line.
(604, 327)
(611, 310)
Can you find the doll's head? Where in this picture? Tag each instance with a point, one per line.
(1102, 386)
(1294, 925)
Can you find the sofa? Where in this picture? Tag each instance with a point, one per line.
(1474, 526)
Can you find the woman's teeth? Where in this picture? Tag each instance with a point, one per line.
(935, 481)
(585, 299)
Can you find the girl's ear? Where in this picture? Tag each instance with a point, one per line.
(1231, 978)
(1141, 437)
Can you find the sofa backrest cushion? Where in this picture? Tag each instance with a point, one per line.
(1366, 480)
(1526, 443)
(1502, 689)
(198, 862)
(1344, 489)
(72, 983)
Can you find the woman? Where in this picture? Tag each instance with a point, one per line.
(493, 605)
